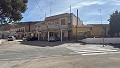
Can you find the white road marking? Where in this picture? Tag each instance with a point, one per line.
(101, 53)
(10, 53)
(92, 51)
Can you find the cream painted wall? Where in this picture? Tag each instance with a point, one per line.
(74, 20)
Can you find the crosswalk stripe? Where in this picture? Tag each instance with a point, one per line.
(90, 51)
(94, 53)
(101, 53)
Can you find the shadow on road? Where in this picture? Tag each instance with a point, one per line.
(116, 45)
(43, 43)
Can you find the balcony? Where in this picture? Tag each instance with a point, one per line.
(42, 28)
(54, 26)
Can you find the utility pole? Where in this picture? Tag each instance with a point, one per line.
(29, 28)
(76, 25)
(102, 27)
(45, 16)
(69, 24)
(70, 8)
(100, 17)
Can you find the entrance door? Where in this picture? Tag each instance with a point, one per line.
(52, 34)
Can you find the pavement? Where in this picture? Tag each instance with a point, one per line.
(41, 54)
(2, 40)
(102, 40)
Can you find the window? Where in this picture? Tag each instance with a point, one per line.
(56, 23)
(49, 23)
(63, 22)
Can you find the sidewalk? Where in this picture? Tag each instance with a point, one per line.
(2, 40)
(101, 40)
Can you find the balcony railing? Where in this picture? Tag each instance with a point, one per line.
(46, 27)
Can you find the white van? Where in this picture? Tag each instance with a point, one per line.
(11, 38)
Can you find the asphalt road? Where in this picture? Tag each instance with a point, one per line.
(36, 54)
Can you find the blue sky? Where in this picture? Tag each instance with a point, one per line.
(88, 9)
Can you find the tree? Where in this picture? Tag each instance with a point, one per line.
(114, 23)
(11, 10)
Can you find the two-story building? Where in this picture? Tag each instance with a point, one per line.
(58, 26)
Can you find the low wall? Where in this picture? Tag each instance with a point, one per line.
(102, 40)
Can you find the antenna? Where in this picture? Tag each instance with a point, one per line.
(50, 7)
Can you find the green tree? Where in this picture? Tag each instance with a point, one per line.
(11, 10)
(114, 23)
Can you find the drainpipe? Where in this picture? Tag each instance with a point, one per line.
(48, 35)
(38, 36)
(29, 28)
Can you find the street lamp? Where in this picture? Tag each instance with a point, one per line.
(102, 27)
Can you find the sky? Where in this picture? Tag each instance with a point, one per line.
(89, 10)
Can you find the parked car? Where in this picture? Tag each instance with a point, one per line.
(11, 38)
(34, 38)
(54, 39)
(30, 38)
(25, 38)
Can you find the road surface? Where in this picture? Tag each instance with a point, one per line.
(40, 54)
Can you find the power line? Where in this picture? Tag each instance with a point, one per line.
(50, 8)
(39, 8)
(66, 8)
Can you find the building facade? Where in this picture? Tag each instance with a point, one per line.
(82, 32)
(57, 26)
(62, 26)
(91, 31)
(19, 30)
(99, 30)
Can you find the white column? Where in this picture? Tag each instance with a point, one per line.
(38, 36)
(61, 35)
(48, 36)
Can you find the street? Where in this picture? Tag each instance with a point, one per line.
(41, 54)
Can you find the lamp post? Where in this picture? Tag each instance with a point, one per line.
(69, 25)
(102, 28)
(77, 26)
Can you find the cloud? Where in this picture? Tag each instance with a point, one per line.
(88, 9)
(81, 5)
(87, 3)
(115, 2)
